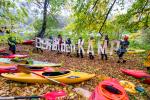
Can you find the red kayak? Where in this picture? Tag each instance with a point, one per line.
(8, 68)
(14, 56)
(28, 42)
(109, 89)
(2, 50)
(135, 73)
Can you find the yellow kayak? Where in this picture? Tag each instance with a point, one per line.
(147, 63)
(135, 51)
(128, 86)
(67, 77)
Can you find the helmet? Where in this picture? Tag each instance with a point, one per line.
(126, 37)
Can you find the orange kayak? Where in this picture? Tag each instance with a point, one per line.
(109, 89)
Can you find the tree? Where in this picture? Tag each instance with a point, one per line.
(10, 13)
(42, 32)
(54, 6)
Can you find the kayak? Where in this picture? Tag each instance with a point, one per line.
(6, 68)
(135, 51)
(14, 56)
(12, 68)
(2, 50)
(35, 63)
(135, 73)
(146, 79)
(128, 86)
(5, 60)
(109, 89)
(45, 65)
(138, 74)
(147, 63)
(28, 42)
(67, 77)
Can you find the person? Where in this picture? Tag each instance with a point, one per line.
(59, 43)
(90, 48)
(123, 49)
(12, 43)
(105, 45)
(51, 41)
(68, 43)
(80, 48)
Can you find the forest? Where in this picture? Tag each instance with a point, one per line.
(84, 49)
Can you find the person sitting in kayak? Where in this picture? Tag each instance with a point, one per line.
(123, 49)
(12, 43)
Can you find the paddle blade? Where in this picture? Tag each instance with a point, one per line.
(23, 68)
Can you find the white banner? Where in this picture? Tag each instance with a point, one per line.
(63, 47)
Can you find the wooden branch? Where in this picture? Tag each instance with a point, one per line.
(107, 15)
(95, 4)
(145, 10)
(39, 6)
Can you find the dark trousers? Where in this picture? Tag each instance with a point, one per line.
(12, 48)
(104, 56)
(91, 56)
(80, 54)
(120, 55)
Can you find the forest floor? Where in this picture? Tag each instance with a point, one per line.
(101, 68)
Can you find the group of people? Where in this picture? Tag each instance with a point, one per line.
(102, 47)
(79, 46)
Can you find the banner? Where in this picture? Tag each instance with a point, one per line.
(54, 45)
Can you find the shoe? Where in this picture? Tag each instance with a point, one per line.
(118, 61)
(124, 61)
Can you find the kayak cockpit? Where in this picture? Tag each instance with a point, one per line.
(111, 89)
(55, 73)
(36, 68)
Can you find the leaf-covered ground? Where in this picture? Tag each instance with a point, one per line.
(101, 68)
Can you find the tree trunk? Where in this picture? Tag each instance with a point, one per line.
(107, 16)
(42, 31)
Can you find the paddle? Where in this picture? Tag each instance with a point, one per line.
(24, 69)
(48, 96)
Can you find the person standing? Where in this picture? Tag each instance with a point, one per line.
(90, 48)
(105, 45)
(80, 47)
(68, 46)
(123, 49)
(59, 43)
(11, 42)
